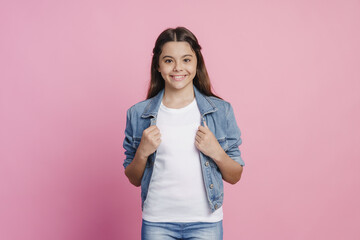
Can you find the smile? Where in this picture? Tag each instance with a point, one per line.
(177, 77)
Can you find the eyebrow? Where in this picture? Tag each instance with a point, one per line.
(187, 55)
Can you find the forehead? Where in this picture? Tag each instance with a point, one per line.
(176, 49)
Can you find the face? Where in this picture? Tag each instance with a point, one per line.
(177, 65)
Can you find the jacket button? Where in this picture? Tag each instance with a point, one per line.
(216, 206)
(207, 164)
(211, 186)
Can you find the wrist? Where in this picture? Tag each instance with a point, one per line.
(219, 155)
(141, 154)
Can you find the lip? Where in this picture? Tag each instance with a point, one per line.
(178, 77)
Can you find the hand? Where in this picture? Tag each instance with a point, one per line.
(207, 143)
(150, 141)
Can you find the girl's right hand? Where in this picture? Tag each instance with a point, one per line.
(150, 141)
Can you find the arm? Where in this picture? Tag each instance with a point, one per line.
(135, 170)
(230, 170)
(150, 141)
(136, 157)
(206, 142)
(230, 162)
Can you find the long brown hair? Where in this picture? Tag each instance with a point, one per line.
(179, 34)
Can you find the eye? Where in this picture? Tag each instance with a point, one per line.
(187, 60)
(168, 61)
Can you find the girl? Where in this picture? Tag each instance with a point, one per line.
(180, 144)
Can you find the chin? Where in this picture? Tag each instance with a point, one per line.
(180, 85)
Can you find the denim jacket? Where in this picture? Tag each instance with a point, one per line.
(220, 119)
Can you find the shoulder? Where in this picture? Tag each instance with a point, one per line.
(140, 105)
(138, 108)
(221, 105)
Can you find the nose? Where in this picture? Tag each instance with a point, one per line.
(177, 67)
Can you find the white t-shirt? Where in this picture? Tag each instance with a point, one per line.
(176, 191)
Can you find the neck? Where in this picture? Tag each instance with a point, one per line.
(174, 98)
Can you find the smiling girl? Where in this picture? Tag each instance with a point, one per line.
(180, 144)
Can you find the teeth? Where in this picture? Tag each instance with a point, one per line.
(179, 77)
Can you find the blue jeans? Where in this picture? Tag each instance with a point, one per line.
(183, 231)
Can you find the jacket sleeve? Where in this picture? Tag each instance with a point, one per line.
(233, 137)
(128, 143)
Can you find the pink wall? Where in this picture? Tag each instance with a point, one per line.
(70, 69)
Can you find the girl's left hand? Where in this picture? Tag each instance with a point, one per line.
(206, 142)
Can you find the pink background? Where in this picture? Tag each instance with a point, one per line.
(70, 69)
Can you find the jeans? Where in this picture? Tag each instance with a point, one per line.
(181, 231)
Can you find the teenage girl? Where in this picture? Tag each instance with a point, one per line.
(180, 144)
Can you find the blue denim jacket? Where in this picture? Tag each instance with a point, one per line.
(220, 119)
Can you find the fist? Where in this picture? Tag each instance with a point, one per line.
(150, 141)
(206, 142)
